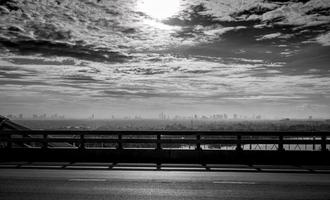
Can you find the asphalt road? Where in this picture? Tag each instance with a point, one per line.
(102, 184)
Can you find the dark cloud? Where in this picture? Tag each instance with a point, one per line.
(257, 10)
(10, 4)
(78, 78)
(11, 72)
(198, 71)
(12, 75)
(89, 70)
(22, 82)
(141, 71)
(49, 31)
(48, 48)
(137, 94)
(319, 11)
(15, 68)
(287, 1)
(38, 61)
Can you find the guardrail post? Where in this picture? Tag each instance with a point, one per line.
(158, 142)
(120, 145)
(324, 143)
(82, 141)
(45, 143)
(280, 143)
(238, 144)
(198, 142)
(9, 143)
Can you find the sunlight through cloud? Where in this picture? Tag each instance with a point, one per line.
(159, 9)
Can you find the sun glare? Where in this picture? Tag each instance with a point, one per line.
(159, 9)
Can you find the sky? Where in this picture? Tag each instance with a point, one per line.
(180, 57)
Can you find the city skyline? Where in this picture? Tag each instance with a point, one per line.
(160, 116)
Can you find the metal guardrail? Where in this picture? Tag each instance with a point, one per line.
(235, 139)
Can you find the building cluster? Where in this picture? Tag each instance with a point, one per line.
(12, 116)
(45, 116)
(36, 116)
(163, 116)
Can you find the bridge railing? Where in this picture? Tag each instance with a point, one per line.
(160, 140)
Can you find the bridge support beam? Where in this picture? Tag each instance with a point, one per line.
(45, 143)
(198, 143)
(82, 141)
(324, 143)
(239, 143)
(280, 143)
(159, 146)
(120, 145)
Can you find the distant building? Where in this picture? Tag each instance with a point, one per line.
(11, 116)
(162, 116)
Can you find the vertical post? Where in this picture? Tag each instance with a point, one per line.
(280, 143)
(198, 142)
(313, 143)
(158, 142)
(82, 141)
(9, 143)
(238, 144)
(120, 146)
(324, 143)
(45, 143)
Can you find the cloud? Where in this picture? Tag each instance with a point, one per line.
(324, 39)
(104, 34)
(167, 76)
(211, 52)
(298, 13)
(272, 36)
(314, 71)
(79, 78)
(108, 31)
(32, 60)
(46, 48)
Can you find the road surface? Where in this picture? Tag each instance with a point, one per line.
(51, 184)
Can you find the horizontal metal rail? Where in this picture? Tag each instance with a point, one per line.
(201, 133)
(159, 138)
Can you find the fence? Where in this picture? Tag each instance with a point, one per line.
(160, 140)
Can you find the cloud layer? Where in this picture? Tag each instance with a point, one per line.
(207, 55)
